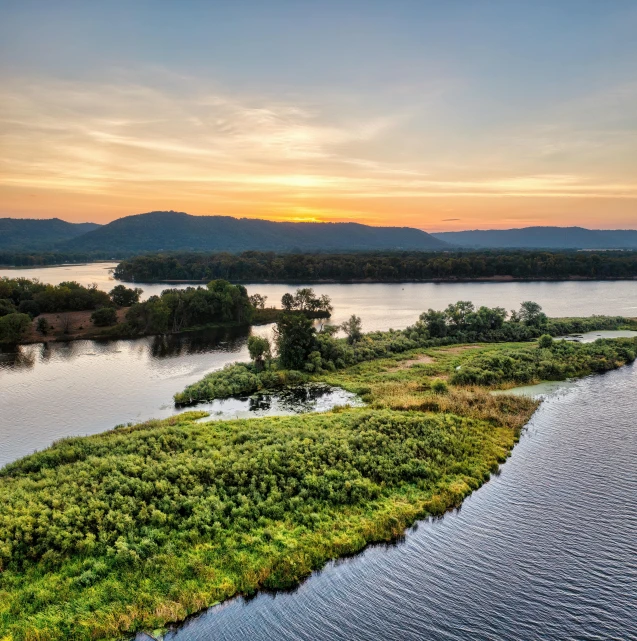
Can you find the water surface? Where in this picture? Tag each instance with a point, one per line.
(49, 391)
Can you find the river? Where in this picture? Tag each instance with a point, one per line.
(545, 550)
(50, 391)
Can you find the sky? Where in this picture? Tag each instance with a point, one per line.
(437, 115)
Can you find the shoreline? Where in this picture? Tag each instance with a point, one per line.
(363, 281)
(79, 333)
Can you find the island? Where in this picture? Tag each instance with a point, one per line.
(141, 526)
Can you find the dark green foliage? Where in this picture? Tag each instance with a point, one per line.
(232, 380)
(65, 297)
(378, 266)
(125, 296)
(104, 316)
(294, 338)
(29, 307)
(322, 352)
(13, 327)
(7, 307)
(34, 234)
(178, 309)
(305, 300)
(43, 326)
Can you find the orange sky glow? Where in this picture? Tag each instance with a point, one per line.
(481, 124)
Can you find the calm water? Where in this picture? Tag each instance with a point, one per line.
(547, 550)
(51, 391)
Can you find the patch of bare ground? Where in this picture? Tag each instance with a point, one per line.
(421, 359)
(461, 348)
(65, 326)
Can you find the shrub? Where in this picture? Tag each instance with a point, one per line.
(545, 341)
(104, 316)
(438, 386)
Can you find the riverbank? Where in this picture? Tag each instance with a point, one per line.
(141, 526)
(74, 326)
(391, 281)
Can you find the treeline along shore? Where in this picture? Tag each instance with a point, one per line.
(103, 536)
(31, 311)
(379, 266)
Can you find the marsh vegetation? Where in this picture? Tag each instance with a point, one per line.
(146, 524)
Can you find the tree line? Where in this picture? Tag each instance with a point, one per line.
(378, 266)
(174, 310)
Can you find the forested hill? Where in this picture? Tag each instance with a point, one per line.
(379, 266)
(30, 233)
(542, 238)
(168, 230)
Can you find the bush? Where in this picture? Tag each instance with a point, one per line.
(545, 341)
(438, 386)
(104, 316)
(13, 327)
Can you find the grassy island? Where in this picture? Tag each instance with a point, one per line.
(131, 529)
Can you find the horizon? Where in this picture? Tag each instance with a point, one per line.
(327, 222)
(442, 118)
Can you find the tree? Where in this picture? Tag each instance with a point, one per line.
(13, 327)
(104, 316)
(305, 299)
(531, 314)
(436, 323)
(259, 349)
(325, 304)
(6, 307)
(29, 307)
(287, 302)
(295, 340)
(457, 313)
(125, 296)
(353, 329)
(43, 326)
(258, 301)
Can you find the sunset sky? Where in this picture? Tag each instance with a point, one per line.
(437, 115)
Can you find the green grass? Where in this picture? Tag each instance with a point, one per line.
(105, 535)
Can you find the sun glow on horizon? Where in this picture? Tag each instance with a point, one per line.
(461, 144)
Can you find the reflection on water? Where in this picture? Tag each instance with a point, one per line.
(83, 387)
(545, 550)
(295, 400)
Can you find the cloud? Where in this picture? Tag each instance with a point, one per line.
(251, 155)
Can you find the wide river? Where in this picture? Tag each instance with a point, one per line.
(545, 550)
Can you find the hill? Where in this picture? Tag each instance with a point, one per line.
(31, 233)
(170, 231)
(542, 238)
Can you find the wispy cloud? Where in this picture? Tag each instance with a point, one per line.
(231, 154)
